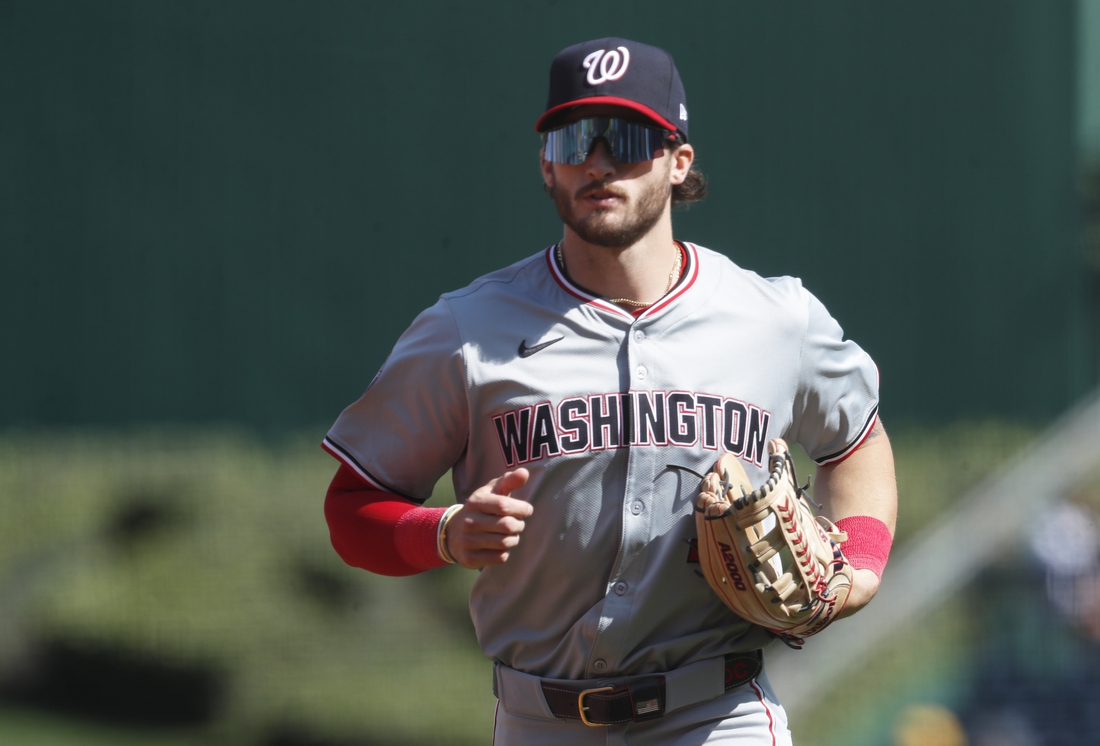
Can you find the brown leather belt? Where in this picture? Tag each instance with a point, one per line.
(633, 699)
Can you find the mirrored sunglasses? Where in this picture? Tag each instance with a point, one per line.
(628, 142)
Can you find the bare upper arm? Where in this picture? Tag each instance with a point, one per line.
(863, 483)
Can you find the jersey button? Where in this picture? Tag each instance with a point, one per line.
(600, 665)
(639, 335)
(637, 507)
(621, 588)
(641, 372)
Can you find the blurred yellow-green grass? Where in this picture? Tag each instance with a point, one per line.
(233, 571)
(25, 728)
(207, 550)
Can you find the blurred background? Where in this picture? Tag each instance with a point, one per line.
(217, 217)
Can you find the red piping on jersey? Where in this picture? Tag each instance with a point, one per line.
(845, 454)
(767, 710)
(379, 531)
(575, 292)
(692, 270)
(347, 461)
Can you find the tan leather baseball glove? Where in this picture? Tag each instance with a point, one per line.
(765, 553)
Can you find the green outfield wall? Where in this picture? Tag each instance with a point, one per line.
(228, 211)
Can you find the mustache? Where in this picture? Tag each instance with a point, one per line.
(597, 186)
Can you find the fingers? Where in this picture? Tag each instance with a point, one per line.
(510, 480)
(494, 498)
(490, 522)
(483, 558)
(494, 542)
(480, 550)
(477, 523)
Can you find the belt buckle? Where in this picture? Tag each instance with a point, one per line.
(582, 709)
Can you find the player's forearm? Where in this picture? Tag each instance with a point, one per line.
(378, 531)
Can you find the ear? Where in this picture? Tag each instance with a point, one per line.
(547, 169)
(682, 158)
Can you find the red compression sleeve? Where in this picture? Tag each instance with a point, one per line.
(869, 542)
(379, 531)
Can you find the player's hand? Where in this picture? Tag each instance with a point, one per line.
(864, 587)
(488, 525)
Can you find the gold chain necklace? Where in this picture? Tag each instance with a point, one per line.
(672, 277)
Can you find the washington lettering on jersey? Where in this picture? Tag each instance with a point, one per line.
(636, 418)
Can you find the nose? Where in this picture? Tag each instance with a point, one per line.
(599, 164)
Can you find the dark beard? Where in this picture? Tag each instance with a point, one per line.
(596, 230)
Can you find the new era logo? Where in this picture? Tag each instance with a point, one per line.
(683, 113)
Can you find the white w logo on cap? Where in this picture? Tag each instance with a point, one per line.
(603, 66)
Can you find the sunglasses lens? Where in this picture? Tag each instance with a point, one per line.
(628, 142)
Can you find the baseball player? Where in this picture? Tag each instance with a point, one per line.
(568, 393)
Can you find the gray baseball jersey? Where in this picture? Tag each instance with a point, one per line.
(523, 368)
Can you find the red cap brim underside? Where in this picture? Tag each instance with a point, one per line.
(609, 101)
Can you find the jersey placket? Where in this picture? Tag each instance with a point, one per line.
(612, 641)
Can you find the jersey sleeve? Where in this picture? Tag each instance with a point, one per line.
(412, 423)
(836, 403)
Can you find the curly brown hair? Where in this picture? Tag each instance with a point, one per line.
(693, 189)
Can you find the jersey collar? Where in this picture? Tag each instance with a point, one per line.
(690, 274)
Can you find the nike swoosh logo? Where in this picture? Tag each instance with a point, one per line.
(525, 351)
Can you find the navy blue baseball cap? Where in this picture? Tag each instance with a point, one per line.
(617, 72)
